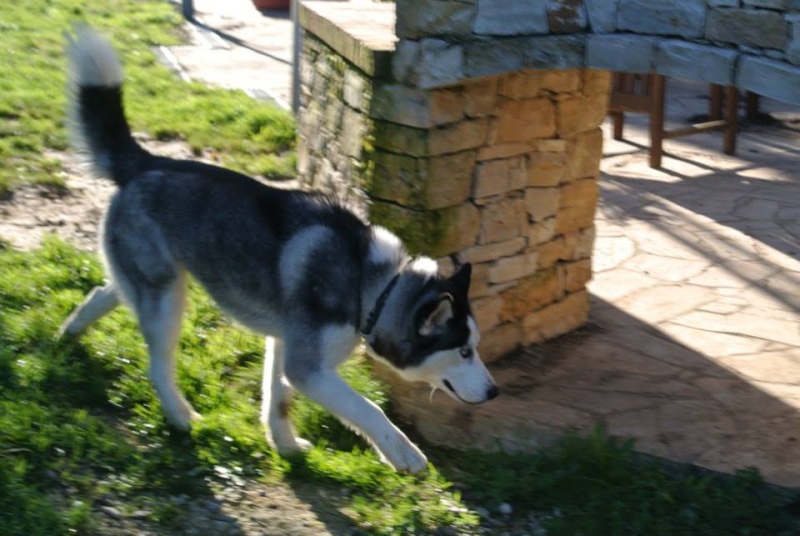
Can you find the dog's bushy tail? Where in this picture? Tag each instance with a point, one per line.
(98, 123)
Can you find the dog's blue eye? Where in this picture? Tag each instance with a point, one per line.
(465, 352)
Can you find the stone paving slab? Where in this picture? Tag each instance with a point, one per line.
(693, 346)
(235, 46)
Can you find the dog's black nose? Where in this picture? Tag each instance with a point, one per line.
(492, 392)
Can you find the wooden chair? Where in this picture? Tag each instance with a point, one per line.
(645, 93)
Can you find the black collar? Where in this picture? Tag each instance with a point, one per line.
(375, 313)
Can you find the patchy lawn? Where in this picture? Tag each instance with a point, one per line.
(227, 125)
(81, 431)
(84, 448)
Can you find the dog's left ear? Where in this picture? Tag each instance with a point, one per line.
(460, 280)
(435, 315)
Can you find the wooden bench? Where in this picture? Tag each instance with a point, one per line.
(646, 93)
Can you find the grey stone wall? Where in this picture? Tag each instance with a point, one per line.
(475, 135)
(333, 125)
(444, 41)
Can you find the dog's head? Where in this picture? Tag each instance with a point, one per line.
(430, 336)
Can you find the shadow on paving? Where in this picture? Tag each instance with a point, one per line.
(636, 381)
(730, 197)
(723, 402)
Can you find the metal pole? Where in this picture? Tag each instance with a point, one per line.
(187, 7)
(295, 13)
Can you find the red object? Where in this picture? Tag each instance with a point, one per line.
(282, 5)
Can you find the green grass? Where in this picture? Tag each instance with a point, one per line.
(79, 421)
(243, 134)
(82, 414)
(596, 485)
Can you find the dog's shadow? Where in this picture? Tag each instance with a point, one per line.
(203, 480)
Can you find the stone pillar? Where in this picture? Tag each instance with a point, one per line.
(500, 171)
(519, 155)
(476, 137)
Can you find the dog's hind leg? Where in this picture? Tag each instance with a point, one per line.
(276, 400)
(159, 312)
(99, 302)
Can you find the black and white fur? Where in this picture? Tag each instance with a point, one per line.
(298, 267)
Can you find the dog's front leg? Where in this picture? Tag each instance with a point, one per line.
(276, 400)
(325, 387)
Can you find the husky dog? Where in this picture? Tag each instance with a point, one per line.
(300, 268)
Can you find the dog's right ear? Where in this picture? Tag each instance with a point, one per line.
(461, 279)
(435, 315)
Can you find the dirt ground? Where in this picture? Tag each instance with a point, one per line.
(73, 213)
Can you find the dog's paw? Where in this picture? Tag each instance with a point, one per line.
(291, 447)
(67, 331)
(292, 450)
(302, 444)
(297, 445)
(184, 420)
(406, 457)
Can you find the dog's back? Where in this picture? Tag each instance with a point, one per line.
(247, 243)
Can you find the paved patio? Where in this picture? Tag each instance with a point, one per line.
(693, 347)
(698, 273)
(235, 46)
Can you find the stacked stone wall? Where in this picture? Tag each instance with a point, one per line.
(334, 128)
(752, 44)
(475, 136)
(500, 172)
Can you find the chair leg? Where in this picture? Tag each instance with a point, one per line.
(715, 102)
(732, 119)
(619, 124)
(752, 100)
(657, 121)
